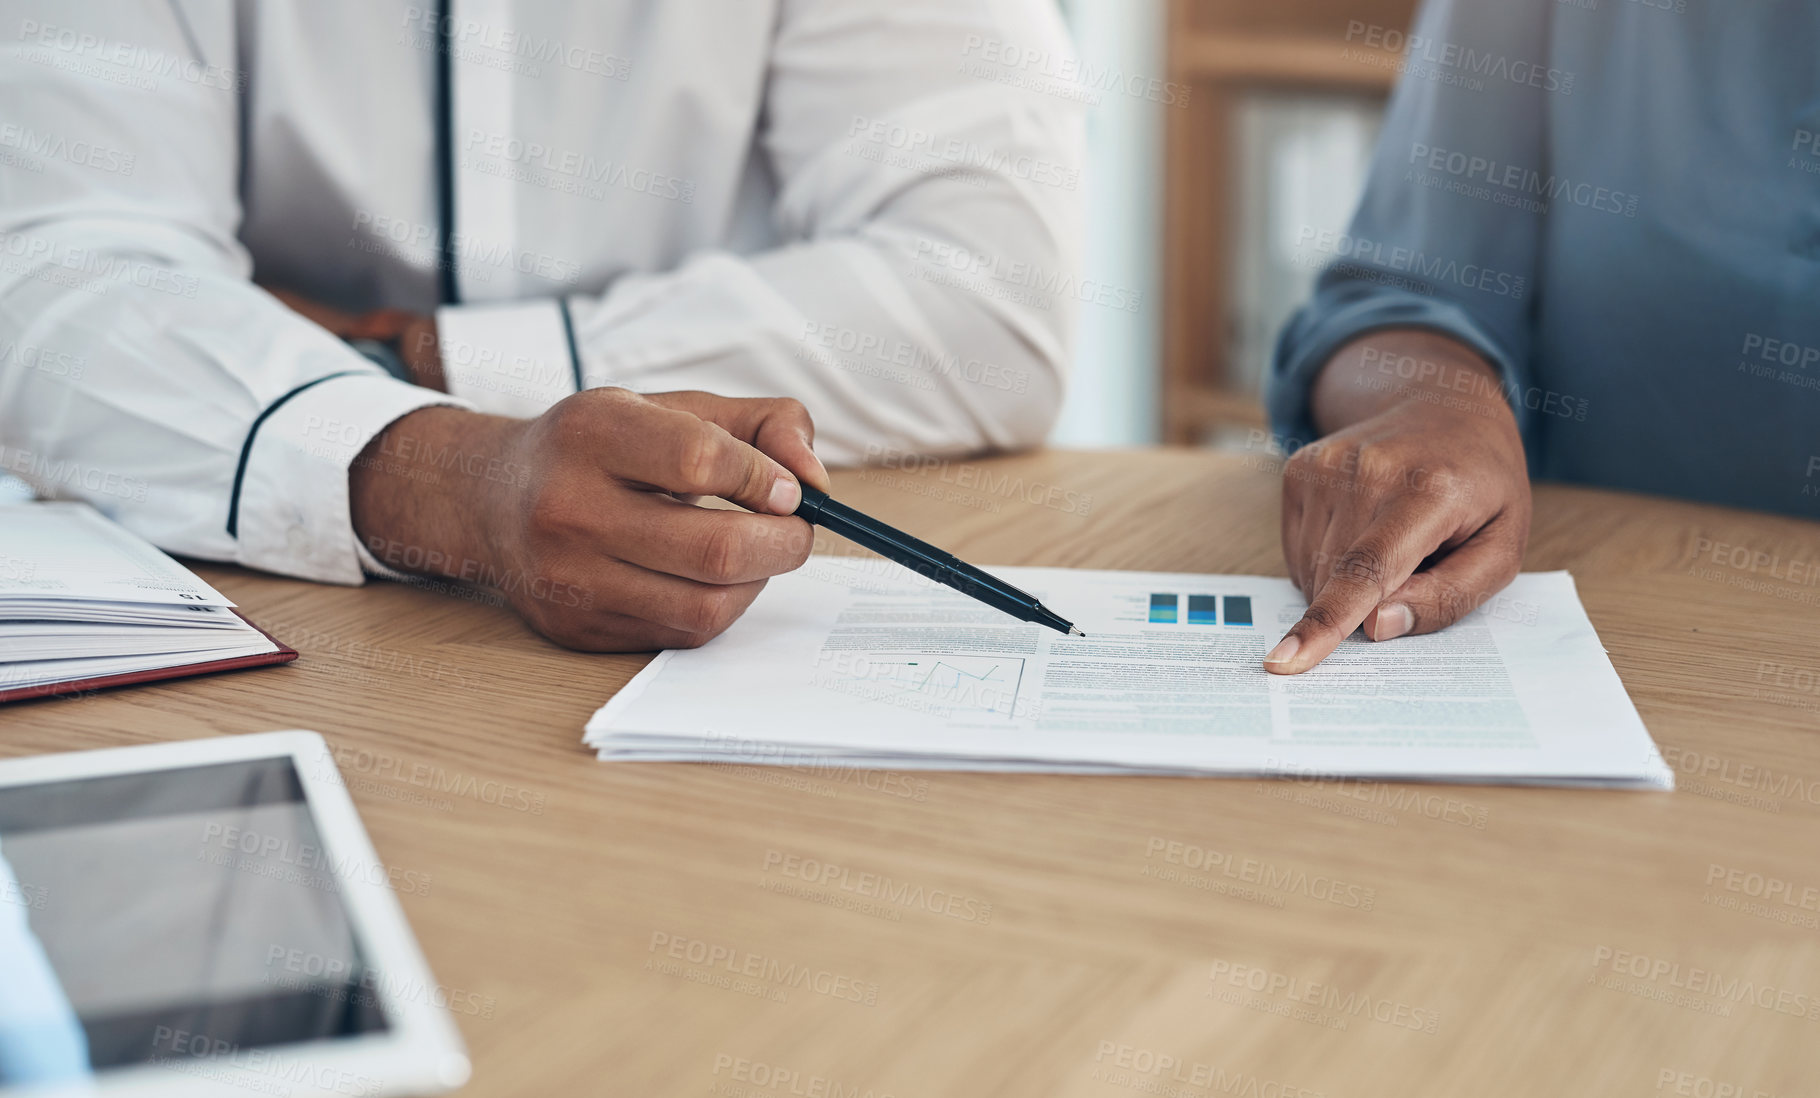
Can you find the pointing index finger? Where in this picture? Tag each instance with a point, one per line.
(1377, 563)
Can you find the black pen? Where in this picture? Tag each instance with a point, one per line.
(926, 560)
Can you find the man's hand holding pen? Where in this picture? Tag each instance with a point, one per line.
(575, 516)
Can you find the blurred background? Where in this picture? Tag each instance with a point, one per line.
(1203, 200)
(1223, 137)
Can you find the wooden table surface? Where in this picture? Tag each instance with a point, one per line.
(646, 929)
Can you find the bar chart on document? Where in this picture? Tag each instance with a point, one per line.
(1165, 608)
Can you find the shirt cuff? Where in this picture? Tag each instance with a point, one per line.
(1323, 327)
(514, 359)
(292, 508)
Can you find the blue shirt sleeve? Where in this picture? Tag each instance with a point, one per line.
(1431, 246)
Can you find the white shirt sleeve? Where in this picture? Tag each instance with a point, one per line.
(513, 358)
(140, 369)
(927, 299)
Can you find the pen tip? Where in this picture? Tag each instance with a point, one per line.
(1075, 631)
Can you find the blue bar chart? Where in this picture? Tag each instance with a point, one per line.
(1166, 609)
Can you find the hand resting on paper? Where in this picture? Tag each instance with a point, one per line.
(1414, 507)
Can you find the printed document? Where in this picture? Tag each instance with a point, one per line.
(856, 661)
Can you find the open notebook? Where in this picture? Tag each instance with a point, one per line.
(86, 604)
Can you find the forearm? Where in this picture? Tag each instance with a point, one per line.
(1388, 367)
(422, 491)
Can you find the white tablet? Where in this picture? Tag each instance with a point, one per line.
(206, 918)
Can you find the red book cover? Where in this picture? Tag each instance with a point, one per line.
(285, 654)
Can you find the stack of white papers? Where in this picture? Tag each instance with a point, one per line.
(82, 598)
(857, 662)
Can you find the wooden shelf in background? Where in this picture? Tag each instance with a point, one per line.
(1206, 404)
(1224, 49)
(1281, 59)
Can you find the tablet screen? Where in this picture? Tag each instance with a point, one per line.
(171, 916)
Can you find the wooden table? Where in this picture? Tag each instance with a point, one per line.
(1045, 941)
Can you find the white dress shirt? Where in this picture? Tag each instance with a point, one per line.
(869, 205)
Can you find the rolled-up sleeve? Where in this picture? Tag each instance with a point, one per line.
(1440, 240)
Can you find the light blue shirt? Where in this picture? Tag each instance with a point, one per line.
(1616, 202)
(41, 1040)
